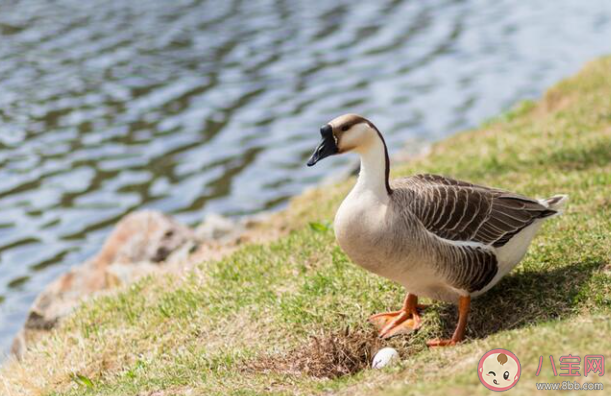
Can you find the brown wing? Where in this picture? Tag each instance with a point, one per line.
(461, 211)
(470, 268)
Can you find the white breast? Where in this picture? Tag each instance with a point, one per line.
(366, 232)
(359, 226)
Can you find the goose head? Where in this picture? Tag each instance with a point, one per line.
(349, 132)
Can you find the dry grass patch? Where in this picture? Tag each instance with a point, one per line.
(327, 355)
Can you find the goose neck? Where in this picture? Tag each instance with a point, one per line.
(375, 169)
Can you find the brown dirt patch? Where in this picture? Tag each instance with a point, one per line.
(326, 355)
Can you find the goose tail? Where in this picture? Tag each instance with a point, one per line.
(555, 203)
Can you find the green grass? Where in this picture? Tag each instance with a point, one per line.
(264, 320)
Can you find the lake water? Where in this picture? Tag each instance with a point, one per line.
(192, 107)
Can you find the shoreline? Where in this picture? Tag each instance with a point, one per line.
(124, 259)
(283, 311)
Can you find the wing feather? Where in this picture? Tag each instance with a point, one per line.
(466, 212)
(471, 219)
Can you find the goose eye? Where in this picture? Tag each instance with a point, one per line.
(506, 375)
(345, 128)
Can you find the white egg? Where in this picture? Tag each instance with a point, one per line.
(384, 357)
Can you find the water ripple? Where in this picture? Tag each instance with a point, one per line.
(199, 106)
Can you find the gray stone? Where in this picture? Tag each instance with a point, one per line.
(219, 229)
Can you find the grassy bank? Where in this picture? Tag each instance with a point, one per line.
(289, 317)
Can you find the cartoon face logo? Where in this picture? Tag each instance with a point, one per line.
(499, 370)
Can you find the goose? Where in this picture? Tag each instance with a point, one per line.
(440, 238)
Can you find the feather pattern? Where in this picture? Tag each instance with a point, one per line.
(467, 223)
(465, 212)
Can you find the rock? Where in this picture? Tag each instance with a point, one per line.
(256, 219)
(182, 257)
(220, 229)
(385, 357)
(118, 274)
(136, 247)
(142, 243)
(143, 236)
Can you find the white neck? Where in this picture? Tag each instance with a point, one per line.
(372, 177)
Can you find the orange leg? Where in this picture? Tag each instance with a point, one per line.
(403, 321)
(459, 333)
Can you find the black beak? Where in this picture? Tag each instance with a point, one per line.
(326, 147)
